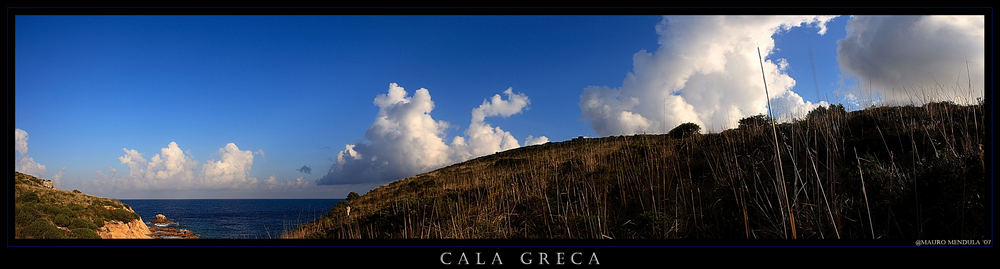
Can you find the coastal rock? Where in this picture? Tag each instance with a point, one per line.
(161, 219)
(171, 233)
(161, 229)
(135, 229)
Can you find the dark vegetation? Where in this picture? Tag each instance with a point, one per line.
(902, 172)
(684, 130)
(41, 211)
(352, 196)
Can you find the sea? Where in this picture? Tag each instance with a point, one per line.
(235, 218)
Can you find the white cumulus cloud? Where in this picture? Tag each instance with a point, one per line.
(170, 169)
(483, 138)
(531, 141)
(25, 164)
(28, 165)
(21, 141)
(174, 169)
(405, 139)
(232, 169)
(706, 71)
(915, 59)
(57, 179)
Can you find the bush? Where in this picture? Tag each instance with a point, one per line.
(120, 215)
(77, 209)
(62, 220)
(42, 229)
(28, 197)
(102, 203)
(84, 233)
(76, 191)
(648, 224)
(755, 121)
(25, 215)
(684, 130)
(352, 196)
(110, 215)
(82, 223)
(826, 112)
(54, 210)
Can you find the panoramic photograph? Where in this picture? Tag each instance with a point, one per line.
(660, 128)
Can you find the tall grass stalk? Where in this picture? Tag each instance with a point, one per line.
(864, 192)
(777, 151)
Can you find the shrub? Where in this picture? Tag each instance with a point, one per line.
(81, 223)
(61, 220)
(28, 197)
(650, 221)
(25, 215)
(684, 130)
(84, 233)
(755, 121)
(54, 210)
(822, 111)
(76, 191)
(352, 196)
(42, 229)
(101, 203)
(77, 209)
(121, 215)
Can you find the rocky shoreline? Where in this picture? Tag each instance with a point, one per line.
(162, 228)
(135, 229)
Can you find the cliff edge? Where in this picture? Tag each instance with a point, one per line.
(135, 229)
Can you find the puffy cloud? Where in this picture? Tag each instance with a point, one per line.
(405, 139)
(918, 59)
(272, 183)
(25, 164)
(483, 138)
(706, 71)
(170, 169)
(233, 168)
(57, 179)
(28, 165)
(790, 106)
(348, 154)
(173, 169)
(305, 169)
(497, 106)
(21, 141)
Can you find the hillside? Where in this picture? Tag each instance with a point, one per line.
(43, 212)
(880, 173)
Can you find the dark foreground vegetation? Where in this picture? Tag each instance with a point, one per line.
(879, 173)
(42, 212)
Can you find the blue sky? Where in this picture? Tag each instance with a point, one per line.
(294, 90)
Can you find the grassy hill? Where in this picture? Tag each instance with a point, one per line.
(880, 173)
(42, 212)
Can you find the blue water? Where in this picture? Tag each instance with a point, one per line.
(235, 218)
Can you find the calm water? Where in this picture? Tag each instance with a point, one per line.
(235, 218)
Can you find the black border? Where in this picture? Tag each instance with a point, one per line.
(194, 9)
